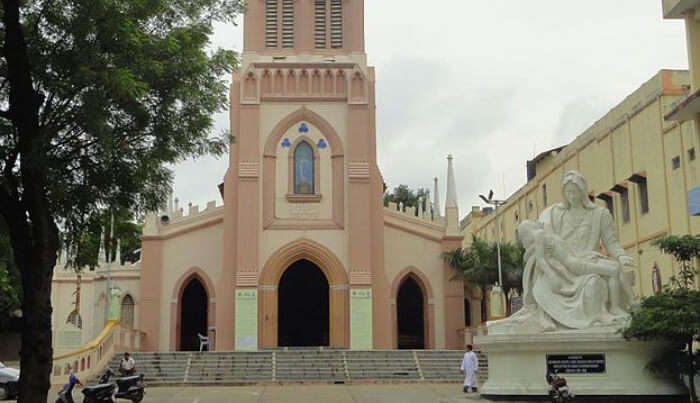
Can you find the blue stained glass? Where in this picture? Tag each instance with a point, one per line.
(286, 143)
(303, 169)
(303, 128)
(321, 143)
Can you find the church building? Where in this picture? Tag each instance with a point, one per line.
(302, 252)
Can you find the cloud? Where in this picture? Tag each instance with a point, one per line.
(493, 83)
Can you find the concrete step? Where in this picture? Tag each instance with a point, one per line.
(299, 365)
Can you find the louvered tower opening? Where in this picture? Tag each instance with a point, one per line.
(336, 24)
(287, 23)
(320, 24)
(271, 23)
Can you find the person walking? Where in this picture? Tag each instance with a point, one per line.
(470, 366)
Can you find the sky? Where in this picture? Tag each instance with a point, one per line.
(492, 82)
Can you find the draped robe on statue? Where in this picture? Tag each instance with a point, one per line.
(557, 296)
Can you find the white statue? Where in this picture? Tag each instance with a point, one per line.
(567, 282)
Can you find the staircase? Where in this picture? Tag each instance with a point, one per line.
(317, 365)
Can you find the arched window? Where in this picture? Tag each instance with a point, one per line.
(304, 169)
(127, 312)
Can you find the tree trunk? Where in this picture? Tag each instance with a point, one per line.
(36, 356)
(26, 209)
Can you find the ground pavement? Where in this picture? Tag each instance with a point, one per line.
(354, 393)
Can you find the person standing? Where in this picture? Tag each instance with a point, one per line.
(470, 366)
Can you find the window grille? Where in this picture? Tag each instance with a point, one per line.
(643, 196)
(287, 23)
(691, 154)
(336, 24)
(676, 162)
(271, 23)
(127, 312)
(625, 204)
(320, 24)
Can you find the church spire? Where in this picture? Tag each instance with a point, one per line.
(436, 197)
(451, 209)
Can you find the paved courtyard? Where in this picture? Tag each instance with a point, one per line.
(366, 393)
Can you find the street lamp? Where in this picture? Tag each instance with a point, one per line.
(497, 310)
(495, 203)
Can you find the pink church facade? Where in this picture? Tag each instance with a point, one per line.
(302, 252)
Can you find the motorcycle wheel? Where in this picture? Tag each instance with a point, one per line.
(137, 398)
(3, 392)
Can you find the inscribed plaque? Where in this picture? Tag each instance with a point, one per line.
(361, 319)
(246, 321)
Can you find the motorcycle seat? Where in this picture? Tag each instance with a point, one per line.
(128, 379)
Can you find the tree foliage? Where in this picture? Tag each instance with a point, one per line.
(478, 264)
(84, 248)
(97, 97)
(674, 314)
(10, 286)
(407, 196)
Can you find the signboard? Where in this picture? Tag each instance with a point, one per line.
(576, 363)
(361, 319)
(246, 320)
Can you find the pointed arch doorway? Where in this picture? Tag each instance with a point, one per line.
(303, 306)
(272, 289)
(413, 311)
(193, 315)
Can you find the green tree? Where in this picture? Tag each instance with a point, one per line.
(407, 196)
(84, 247)
(478, 265)
(674, 314)
(10, 287)
(96, 98)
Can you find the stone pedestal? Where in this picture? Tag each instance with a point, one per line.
(518, 365)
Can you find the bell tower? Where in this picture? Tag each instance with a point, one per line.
(310, 27)
(303, 176)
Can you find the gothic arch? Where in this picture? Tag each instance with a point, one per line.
(428, 305)
(335, 144)
(270, 277)
(176, 300)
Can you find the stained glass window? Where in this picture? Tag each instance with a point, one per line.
(303, 169)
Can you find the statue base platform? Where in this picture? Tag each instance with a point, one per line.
(599, 365)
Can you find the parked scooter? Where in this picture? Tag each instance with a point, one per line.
(101, 393)
(131, 387)
(558, 389)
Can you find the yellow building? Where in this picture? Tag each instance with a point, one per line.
(640, 162)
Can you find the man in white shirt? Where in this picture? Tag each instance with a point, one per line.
(470, 366)
(127, 366)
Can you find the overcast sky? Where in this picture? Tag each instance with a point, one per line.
(492, 82)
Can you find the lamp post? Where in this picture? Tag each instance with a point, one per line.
(498, 304)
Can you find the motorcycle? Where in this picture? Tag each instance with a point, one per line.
(131, 387)
(100, 393)
(558, 389)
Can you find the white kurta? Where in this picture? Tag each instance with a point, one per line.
(470, 365)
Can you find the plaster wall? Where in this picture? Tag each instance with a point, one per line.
(402, 250)
(200, 248)
(92, 303)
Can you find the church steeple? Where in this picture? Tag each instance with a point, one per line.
(451, 208)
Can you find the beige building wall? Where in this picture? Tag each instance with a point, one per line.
(632, 139)
(92, 310)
